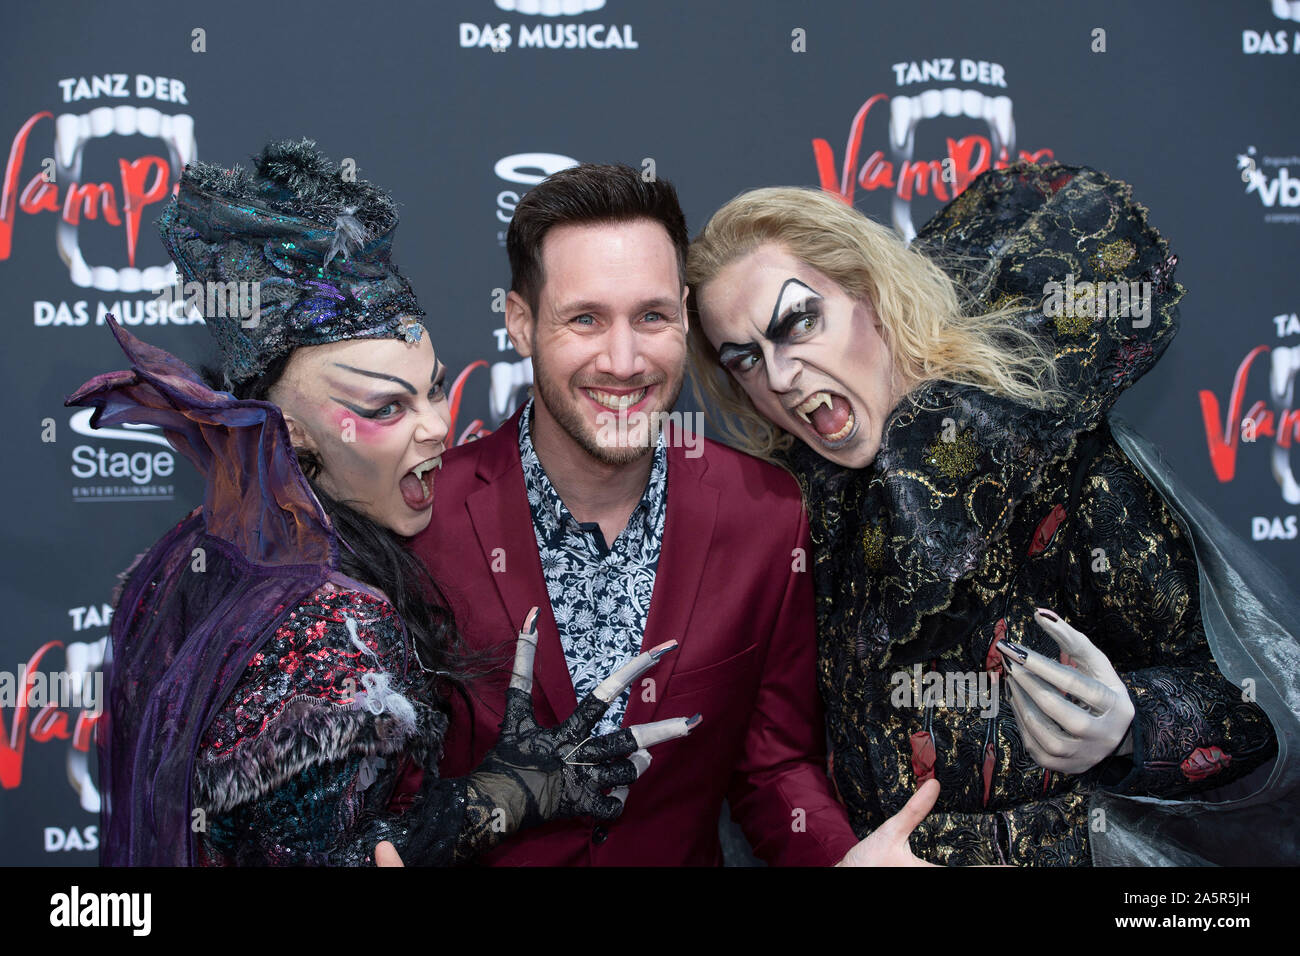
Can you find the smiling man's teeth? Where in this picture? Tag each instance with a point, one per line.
(810, 405)
(616, 403)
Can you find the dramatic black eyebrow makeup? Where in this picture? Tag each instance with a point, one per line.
(392, 378)
(791, 302)
(388, 378)
(438, 369)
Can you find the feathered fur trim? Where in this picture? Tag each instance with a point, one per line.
(295, 179)
(305, 733)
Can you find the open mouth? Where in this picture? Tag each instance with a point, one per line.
(618, 402)
(417, 487)
(829, 416)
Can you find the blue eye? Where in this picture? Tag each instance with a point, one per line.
(379, 412)
(656, 315)
(579, 319)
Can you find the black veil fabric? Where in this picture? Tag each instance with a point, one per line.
(1001, 240)
(1251, 618)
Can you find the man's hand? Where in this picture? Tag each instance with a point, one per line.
(887, 844)
(1070, 718)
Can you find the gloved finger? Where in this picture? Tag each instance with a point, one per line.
(1053, 741)
(1065, 679)
(525, 652)
(623, 675)
(659, 731)
(641, 760)
(1070, 717)
(606, 808)
(593, 706)
(519, 710)
(609, 746)
(589, 710)
(638, 737)
(519, 695)
(620, 773)
(1087, 656)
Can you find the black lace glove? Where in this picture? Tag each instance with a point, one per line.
(535, 774)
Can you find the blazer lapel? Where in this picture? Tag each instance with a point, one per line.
(503, 523)
(688, 535)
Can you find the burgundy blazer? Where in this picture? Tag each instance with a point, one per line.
(725, 588)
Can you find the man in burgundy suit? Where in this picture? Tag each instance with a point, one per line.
(626, 536)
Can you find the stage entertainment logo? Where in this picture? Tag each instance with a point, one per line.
(1269, 179)
(71, 169)
(523, 170)
(549, 33)
(111, 465)
(977, 128)
(1232, 426)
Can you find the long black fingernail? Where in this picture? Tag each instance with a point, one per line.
(1014, 651)
(660, 650)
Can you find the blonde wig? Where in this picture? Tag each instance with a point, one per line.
(934, 329)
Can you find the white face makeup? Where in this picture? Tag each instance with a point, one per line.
(810, 357)
(375, 412)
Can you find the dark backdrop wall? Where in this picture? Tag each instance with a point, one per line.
(459, 106)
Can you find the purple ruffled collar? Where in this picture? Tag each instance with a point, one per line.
(256, 496)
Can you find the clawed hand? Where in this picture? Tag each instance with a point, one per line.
(1070, 718)
(564, 769)
(535, 773)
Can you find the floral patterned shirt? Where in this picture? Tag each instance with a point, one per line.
(600, 593)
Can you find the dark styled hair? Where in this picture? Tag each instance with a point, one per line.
(587, 193)
(378, 556)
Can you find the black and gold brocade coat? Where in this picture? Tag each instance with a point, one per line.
(977, 510)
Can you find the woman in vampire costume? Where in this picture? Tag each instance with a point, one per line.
(985, 535)
(278, 662)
